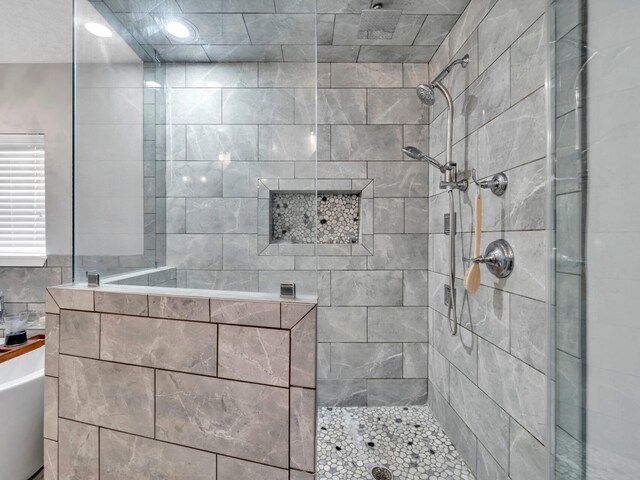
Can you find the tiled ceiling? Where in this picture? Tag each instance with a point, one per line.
(280, 30)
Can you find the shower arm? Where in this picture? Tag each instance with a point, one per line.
(460, 61)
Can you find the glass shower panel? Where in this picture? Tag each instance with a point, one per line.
(594, 356)
(568, 314)
(226, 105)
(612, 232)
(111, 214)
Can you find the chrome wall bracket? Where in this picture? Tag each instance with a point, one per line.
(498, 257)
(288, 290)
(497, 183)
(450, 180)
(93, 278)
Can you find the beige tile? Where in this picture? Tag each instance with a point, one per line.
(260, 314)
(50, 305)
(72, 299)
(302, 428)
(78, 455)
(303, 351)
(129, 456)
(234, 469)
(181, 308)
(297, 475)
(259, 355)
(123, 303)
(80, 333)
(152, 342)
(107, 394)
(51, 344)
(241, 420)
(292, 313)
(51, 408)
(50, 460)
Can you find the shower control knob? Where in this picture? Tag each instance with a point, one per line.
(498, 257)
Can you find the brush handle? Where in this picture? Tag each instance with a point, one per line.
(478, 225)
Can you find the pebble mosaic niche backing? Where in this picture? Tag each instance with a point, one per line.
(293, 215)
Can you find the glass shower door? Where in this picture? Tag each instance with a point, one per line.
(595, 363)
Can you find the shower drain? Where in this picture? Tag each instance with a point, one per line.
(381, 473)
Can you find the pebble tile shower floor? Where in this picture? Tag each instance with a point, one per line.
(408, 441)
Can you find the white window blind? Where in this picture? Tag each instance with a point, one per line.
(22, 201)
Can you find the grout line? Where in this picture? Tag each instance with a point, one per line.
(181, 372)
(169, 443)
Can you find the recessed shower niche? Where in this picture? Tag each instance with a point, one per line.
(293, 220)
(293, 217)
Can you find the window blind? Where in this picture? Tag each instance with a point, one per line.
(22, 199)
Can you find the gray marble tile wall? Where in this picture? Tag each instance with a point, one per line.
(487, 385)
(142, 384)
(24, 287)
(229, 124)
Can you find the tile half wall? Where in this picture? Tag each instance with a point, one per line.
(142, 383)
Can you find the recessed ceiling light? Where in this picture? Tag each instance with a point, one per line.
(178, 29)
(98, 29)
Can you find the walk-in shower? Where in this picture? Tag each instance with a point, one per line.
(225, 148)
(426, 94)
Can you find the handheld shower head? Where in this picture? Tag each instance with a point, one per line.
(413, 152)
(416, 154)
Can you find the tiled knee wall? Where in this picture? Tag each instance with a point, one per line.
(487, 385)
(235, 123)
(141, 386)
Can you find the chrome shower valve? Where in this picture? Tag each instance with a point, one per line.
(498, 257)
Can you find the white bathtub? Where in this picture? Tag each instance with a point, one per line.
(21, 415)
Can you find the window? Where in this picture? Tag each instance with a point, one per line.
(22, 202)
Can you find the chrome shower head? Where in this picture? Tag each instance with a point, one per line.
(377, 23)
(413, 152)
(426, 94)
(416, 154)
